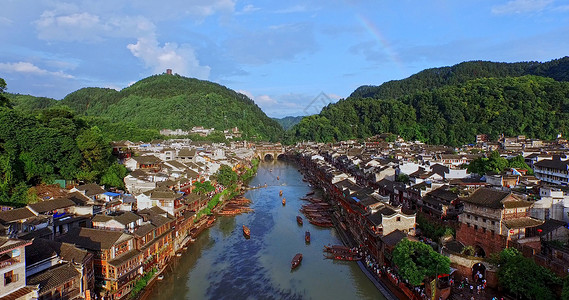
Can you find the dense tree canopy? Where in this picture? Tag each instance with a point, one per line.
(42, 146)
(452, 115)
(495, 164)
(523, 277)
(226, 176)
(416, 261)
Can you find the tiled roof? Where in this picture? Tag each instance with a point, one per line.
(124, 258)
(53, 277)
(15, 214)
(23, 293)
(487, 197)
(42, 249)
(50, 205)
(127, 218)
(78, 198)
(93, 239)
(147, 159)
(553, 164)
(144, 230)
(7, 244)
(522, 222)
(90, 189)
(394, 237)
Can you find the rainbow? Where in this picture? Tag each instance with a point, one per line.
(376, 33)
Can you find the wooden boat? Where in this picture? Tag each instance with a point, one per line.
(281, 193)
(278, 178)
(310, 193)
(299, 220)
(307, 237)
(284, 201)
(296, 261)
(246, 231)
(335, 249)
(321, 222)
(348, 257)
(304, 179)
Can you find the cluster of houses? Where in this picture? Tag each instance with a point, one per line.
(89, 239)
(201, 131)
(380, 188)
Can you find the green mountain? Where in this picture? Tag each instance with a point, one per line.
(173, 101)
(557, 69)
(288, 122)
(451, 105)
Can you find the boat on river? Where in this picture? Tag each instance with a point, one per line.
(246, 231)
(307, 237)
(296, 261)
(281, 193)
(284, 201)
(336, 249)
(278, 178)
(299, 220)
(310, 193)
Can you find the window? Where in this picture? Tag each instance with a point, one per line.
(398, 219)
(10, 277)
(468, 224)
(484, 220)
(475, 227)
(492, 231)
(493, 222)
(475, 218)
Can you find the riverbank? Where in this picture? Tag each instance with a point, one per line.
(223, 264)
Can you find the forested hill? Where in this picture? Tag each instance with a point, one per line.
(173, 101)
(437, 77)
(452, 115)
(288, 122)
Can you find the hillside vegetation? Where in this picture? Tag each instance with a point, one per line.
(170, 101)
(451, 105)
(287, 122)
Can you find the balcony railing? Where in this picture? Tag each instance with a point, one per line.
(8, 262)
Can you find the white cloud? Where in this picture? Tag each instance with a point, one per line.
(521, 6)
(5, 21)
(181, 59)
(246, 93)
(265, 100)
(29, 68)
(249, 8)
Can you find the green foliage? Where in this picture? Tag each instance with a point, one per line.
(468, 250)
(433, 230)
(519, 163)
(416, 261)
(524, 278)
(4, 102)
(203, 188)
(494, 164)
(226, 176)
(172, 101)
(142, 283)
(42, 146)
(288, 122)
(450, 113)
(114, 176)
(402, 177)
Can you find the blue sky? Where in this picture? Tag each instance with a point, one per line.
(290, 57)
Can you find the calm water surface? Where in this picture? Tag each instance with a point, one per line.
(222, 264)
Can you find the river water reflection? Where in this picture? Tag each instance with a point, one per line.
(222, 264)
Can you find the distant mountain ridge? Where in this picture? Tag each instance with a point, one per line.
(168, 101)
(288, 122)
(450, 105)
(557, 69)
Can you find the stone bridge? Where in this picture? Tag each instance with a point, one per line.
(269, 152)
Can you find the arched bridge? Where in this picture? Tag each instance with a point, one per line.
(269, 152)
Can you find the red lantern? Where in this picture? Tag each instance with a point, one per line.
(539, 230)
(511, 231)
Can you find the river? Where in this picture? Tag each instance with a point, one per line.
(222, 264)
